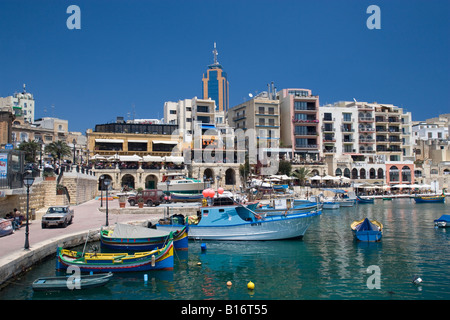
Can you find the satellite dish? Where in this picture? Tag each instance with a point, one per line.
(250, 95)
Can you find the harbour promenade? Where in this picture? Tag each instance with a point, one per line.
(14, 259)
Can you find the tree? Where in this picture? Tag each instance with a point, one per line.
(30, 148)
(285, 167)
(58, 150)
(302, 175)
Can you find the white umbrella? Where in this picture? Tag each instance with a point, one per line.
(316, 178)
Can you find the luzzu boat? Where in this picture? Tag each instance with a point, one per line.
(226, 220)
(159, 259)
(364, 200)
(125, 237)
(443, 221)
(429, 199)
(366, 230)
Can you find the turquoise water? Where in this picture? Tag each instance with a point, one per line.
(327, 264)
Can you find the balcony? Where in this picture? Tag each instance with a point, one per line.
(329, 150)
(306, 146)
(327, 129)
(366, 140)
(327, 119)
(366, 119)
(366, 129)
(305, 121)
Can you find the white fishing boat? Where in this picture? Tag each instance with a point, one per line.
(226, 220)
(180, 183)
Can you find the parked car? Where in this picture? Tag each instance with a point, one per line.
(150, 197)
(57, 216)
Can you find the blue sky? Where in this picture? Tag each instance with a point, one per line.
(144, 53)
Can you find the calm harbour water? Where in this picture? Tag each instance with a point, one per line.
(327, 264)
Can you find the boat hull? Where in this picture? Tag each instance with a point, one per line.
(117, 262)
(180, 241)
(281, 227)
(64, 283)
(331, 205)
(429, 199)
(368, 236)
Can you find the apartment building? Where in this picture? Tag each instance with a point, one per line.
(300, 123)
(367, 141)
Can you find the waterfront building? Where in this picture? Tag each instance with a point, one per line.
(259, 121)
(22, 104)
(370, 142)
(6, 119)
(215, 84)
(299, 120)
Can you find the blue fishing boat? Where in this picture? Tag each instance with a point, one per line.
(430, 199)
(226, 220)
(365, 230)
(364, 200)
(159, 259)
(126, 237)
(443, 221)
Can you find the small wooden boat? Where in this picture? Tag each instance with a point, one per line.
(365, 230)
(443, 221)
(364, 200)
(159, 259)
(71, 282)
(125, 237)
(430, 199)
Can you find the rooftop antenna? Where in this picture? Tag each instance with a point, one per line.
(215, 53)
(24, 90)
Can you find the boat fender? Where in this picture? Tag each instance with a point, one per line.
(153, 260)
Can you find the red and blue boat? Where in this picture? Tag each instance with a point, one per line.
(126, 237)
(159, 259)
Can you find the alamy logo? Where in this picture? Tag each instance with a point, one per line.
(374, 21)
(73, 21)
(374, 281)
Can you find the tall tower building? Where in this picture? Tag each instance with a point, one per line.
(215, 84)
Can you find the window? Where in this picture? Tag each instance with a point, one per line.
(261, 110)
(173, 111)
(271, 122)
(202, 109)
(327, 117)
(347, 117)
(262, 121)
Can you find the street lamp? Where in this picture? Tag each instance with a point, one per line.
(28, 182)
(107, 182)
(102, 177)
(74, 150)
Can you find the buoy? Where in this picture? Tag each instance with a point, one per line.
(145, 277)
(417, 280)
(203, 246)
(229, 283)
(199, 263)
(250, 285)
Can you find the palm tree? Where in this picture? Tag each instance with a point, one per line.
(302, 175)
(58, 149)
(30, 148)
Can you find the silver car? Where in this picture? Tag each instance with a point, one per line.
(57, 216)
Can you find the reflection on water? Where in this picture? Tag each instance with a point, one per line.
(326, 264)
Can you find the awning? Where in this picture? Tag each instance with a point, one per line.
(109, 140)
(130, 158)
(174, 159)
(164, 142)
(137, 141)
(152, 159)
